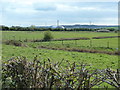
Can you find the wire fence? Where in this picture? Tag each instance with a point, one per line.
(79, 43)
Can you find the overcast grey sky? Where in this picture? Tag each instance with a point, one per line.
(47, 12)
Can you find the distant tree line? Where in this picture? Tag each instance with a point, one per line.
(111, 29)
(33, 28)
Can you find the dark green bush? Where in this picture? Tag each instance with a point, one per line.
(47, 36)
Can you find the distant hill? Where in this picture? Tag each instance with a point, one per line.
(89, 26)
(82, 26)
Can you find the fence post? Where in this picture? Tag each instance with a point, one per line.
(108, 44)
(26, 40)
(90, 43)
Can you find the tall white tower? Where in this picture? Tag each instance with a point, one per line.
(57, 22)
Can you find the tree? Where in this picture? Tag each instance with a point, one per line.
(2, 27)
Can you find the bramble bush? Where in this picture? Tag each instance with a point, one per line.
(19, 72)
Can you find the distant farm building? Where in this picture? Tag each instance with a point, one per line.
(103, 30)
(60, 27)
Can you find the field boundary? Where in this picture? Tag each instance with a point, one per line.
(105, 37)
(80, 38)
(61, 39)
(18, 43)
(79, 50)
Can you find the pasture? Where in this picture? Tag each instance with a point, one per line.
(96, 60)
(30, 35)
(107, 44)
(63, 50)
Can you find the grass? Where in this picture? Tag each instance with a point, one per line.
(98, 61)
(22, 35)
(108, 44)
(56, 55)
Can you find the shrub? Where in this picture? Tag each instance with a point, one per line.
(22, 73)
(47, 36)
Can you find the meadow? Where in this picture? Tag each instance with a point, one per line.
(56, 51)
(95, 60)
(32, 35)
(107, 44)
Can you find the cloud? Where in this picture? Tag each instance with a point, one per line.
(24, 12)
(43, 6)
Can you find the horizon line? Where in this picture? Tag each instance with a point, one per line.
(61, 25)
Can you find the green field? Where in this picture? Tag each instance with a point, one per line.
(22, 35)
(31, 49)
(109, 44)
(96, 59)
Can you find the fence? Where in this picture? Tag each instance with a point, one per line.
(80, 43)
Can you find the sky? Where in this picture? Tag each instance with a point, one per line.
(47, 12)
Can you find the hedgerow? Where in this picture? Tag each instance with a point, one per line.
(19, 72)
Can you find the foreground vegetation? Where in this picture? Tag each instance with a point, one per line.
(19, 72)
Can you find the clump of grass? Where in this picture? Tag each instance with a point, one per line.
(14, 42)
(21, 73)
